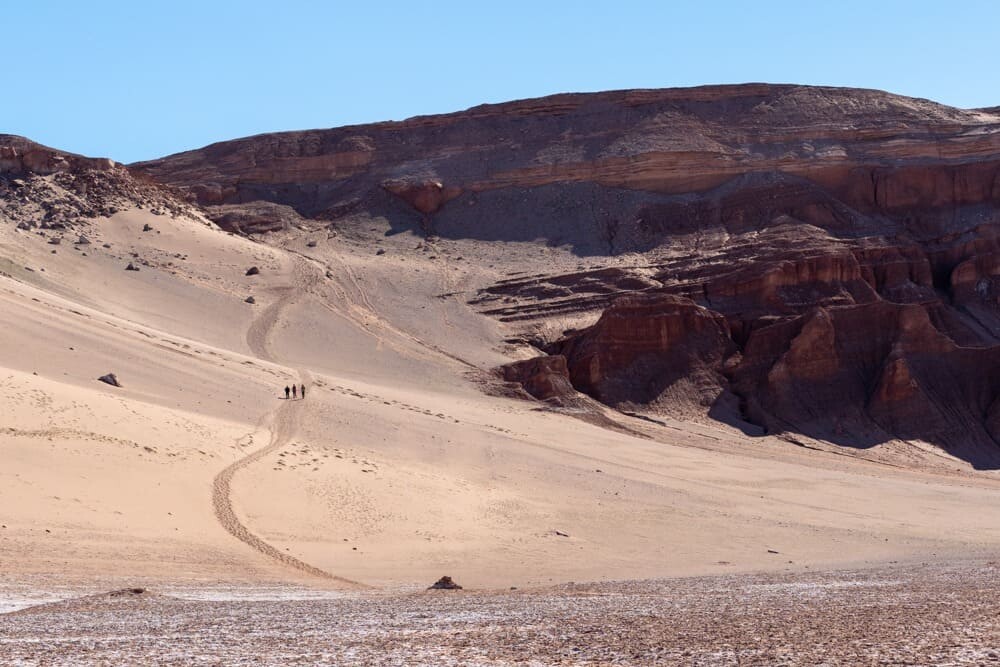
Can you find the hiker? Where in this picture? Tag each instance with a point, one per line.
(302, 391)
(294, 391)
(287, 391)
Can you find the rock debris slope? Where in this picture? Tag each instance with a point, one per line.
(785, 258)
(48, 189)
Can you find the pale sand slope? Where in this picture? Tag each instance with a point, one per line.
(396, 469)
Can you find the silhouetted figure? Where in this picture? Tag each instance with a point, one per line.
(287, 392)
(302, 391)
(294, 390)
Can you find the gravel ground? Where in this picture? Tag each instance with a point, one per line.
(913, 614)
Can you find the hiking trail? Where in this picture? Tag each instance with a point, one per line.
(283, 424)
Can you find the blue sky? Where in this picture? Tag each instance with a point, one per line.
(138, 80)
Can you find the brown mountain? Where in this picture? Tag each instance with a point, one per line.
(787, 258)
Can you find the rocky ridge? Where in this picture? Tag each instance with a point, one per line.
(45, 188)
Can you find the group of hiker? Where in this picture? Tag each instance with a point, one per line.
(295, 392)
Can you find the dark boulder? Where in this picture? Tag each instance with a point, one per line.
(445, 583)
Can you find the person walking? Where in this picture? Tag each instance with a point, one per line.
(287, 392)
(294, 391)
(302, 391)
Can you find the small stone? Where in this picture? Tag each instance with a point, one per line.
(380, 251)
(111, 379)
(147, 228)
(83, 240)
(252, 271)
(131, 267)
(311, 244)
(250, 299)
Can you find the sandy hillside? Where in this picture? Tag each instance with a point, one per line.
(398, 466)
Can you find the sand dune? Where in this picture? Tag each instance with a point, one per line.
(397, 467)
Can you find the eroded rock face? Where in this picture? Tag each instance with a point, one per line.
(618, 171)
(20, 156)
(543, 377)
(642, 346)
(423, 195)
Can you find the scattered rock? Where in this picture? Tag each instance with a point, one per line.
(111, 379)
(131, 267)
(250, 299)
(106, 245)
(311, 244)
(445, 583)
(560, 533)
(55, 240)
(147, 228)
(252, 271)
(83, 240)
(772, 551)
(380, 251)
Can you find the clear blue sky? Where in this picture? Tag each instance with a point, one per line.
(141, 79)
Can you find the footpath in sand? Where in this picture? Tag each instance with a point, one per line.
(283, 422)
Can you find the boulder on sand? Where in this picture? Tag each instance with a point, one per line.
(445, 583)
(252, 271)
(111, 379)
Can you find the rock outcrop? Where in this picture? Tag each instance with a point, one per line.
(803, 259)
(51, 189)
(543, 377)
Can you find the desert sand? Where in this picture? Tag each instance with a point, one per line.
(400, 465)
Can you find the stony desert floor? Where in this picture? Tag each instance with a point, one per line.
(917, 614)
(196, 476)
